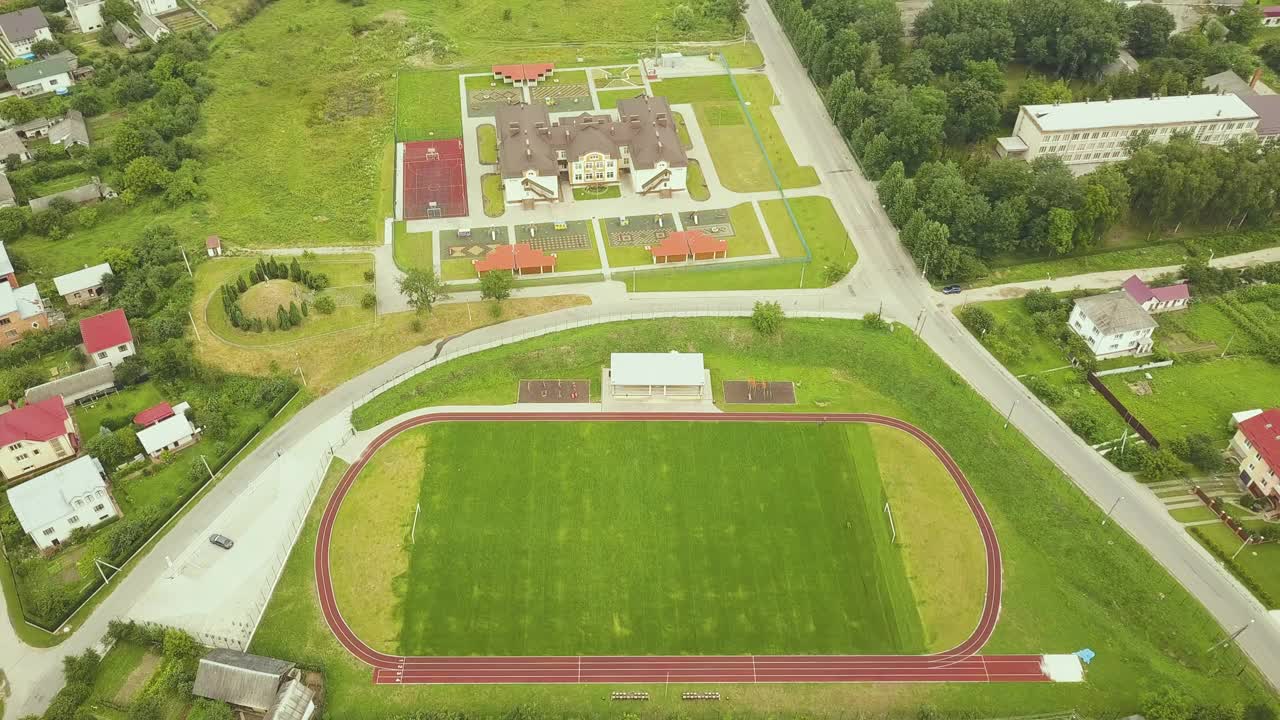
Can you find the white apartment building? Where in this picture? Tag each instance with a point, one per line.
(1112, 325)
(1097, 132)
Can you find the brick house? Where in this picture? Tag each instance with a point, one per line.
(36, 435)
(1257, 444)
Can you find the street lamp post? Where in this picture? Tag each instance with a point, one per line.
(1107, 519)
(1008, 418)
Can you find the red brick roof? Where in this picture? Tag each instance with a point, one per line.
(40, 421)
(524, 73)
(689, 242)
(520, 257)
(103, 331)
(153, 415)
(1263, 432)
(212, 241)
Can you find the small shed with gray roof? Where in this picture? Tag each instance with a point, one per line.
(70, 130)
(7, 197)
(11, 144)
(238, 678)
(91, 383)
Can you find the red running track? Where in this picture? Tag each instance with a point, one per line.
(959, 664)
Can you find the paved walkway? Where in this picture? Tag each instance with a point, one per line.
(1098, 280)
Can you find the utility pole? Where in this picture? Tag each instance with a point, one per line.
(1231, 638)
(1107, 519)
(184, 260)
(924, 274)
(206, 467)
(1242, 547)
(1228, 347)
(193, 325)
(803, 266)
(1009, 417)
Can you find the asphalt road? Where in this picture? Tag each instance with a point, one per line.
(884, 278)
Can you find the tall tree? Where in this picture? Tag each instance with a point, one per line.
(1149, 28)
(975, 96)
(1243, 24)
(422, 289)
(956, 31)
(1069, 37)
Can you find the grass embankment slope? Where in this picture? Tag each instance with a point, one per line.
(592, 545)
(1070, 581)
(354, 341)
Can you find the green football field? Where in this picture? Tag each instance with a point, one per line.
(653, 538)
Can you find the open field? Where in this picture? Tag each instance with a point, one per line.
(347, 285)
(329, 359)
(644, 559)
(1067, 587)
(1255, 564)
(1199, 397)
(1168, 251)
(130, 401)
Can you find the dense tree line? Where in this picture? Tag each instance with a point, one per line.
(911, 112)
(272, 269)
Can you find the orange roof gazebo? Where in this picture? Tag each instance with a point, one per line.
(521, 259)
(685, 244)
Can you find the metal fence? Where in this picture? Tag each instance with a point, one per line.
(1125, 415)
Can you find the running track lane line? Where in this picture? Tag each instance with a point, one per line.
(959, 664)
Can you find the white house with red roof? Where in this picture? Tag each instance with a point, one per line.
(169, 434)
(1271, 16)
(107, 338)
(1257, 444)
(1158, 299)
(52, 506)
(36, 435)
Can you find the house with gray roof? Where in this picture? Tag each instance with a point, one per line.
(125, 36)
(21, 29)
(33, 129)
(261, 684)
(1113, 325)
(153, 27)
(92, 192)
(70, 130)
(42, 76)
(589, 150)
(11, 144)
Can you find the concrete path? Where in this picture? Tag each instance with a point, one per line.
(1098, 280)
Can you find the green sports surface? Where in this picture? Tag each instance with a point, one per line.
(651, 538)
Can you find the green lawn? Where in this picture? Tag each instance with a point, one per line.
(1199, 397)
(1256, 564)
(616, 555)
(588, 259)
(827, 239)
(429, 105)
(412, 250)
(739, 163)
(697, 182)
(487, 142)
(346, 286)
(742, 55)
(1070, 581)
(128, 402)
(1159, 253)
(609, 98)
(606, 192)
(117, 664)
(494, 202)
(682, 132)
(57, 185)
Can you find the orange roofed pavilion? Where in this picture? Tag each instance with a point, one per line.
(520, 259)
(685, 244)
(527, 74)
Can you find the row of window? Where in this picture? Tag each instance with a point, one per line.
(76, 518)
(1097, 134)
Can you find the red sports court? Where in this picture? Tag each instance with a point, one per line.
(435, 179)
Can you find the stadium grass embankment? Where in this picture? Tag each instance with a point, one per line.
(1070, 581)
